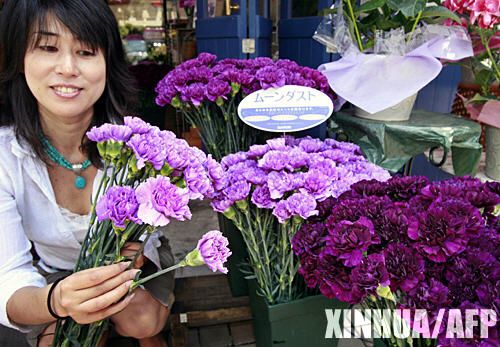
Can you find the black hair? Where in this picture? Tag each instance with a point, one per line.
(91, 22)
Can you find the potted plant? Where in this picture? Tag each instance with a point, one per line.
(407, 243)
(390, 50)
(270, 191)
(481, 18)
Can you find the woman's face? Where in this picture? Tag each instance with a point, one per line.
(65, 76)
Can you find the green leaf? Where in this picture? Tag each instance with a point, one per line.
(410, 8)
(370, 6)
(478, 98)
(440, 12)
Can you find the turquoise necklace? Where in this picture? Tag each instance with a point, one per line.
(58, 158)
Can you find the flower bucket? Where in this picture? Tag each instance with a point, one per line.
(294, 324)
(236, 278)
(493, 152)
(398, 112)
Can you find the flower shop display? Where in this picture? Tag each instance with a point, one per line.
(271, 189)
(149, 177)
(208, 94)
(482, 20)
(408, 243)
(390, 50)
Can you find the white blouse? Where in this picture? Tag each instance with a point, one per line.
(29, 212)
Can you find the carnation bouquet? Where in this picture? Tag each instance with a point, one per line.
(269, 192)
(408, 243)
(149, 178)
(208, 94)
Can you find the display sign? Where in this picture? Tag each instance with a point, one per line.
(285, 109)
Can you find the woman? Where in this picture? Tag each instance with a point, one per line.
(62, 71)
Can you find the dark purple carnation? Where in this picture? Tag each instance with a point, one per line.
(350, 240)
(405, 267)
(271, 77)
(370, 274)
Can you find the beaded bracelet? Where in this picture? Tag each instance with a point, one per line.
(49, 297)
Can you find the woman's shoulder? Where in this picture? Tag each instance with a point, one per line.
(7, 134)
(11, 146)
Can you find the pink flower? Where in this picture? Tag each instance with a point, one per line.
(485, 12)
(459, 6)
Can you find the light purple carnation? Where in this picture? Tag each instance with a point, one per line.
(238, 190)
(148, 148)
(137, 125)
(281, 211)
(262, 198)
(221, 203)
(107, 132)
(303, 205)
(233, 159)
(214, 251)
(279, 183)
(257, 151)
(119, 205)
(160, 200)
(317, 184)
(178, 155)
(274, 160)
(198, 182)
(216, 173)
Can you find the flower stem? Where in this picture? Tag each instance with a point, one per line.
(486, 45)
(356, 30)
(419, 15)
(137, 283)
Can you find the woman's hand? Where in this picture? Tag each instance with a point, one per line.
(130, 249)
(91, 295)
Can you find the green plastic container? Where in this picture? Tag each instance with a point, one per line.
(299, 323)
(236, 278)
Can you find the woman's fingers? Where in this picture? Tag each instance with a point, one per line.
(130, 249)
(92, 277)
(100, 315)
(105, 300)
(104, 287)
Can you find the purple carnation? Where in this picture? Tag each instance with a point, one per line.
(214, 251)
(317, 184)
(274, 160)
(261, 197)
(195, 93)
(233, 159)
(238, 190)
(257, 151)
(405, 266)
(217, 88)
(303, 205)
(221, 203)
(349, 240)
(137, 125)
(279, 183)
(216, 173)
(370, 274)
(119, 205)
(198, 182)
(109, 132)
(148, 148)
(271, 77)
(160, 200)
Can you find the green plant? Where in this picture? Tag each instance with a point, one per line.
(384, 15)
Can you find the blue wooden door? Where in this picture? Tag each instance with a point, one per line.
(295, 35)
(225, 35)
